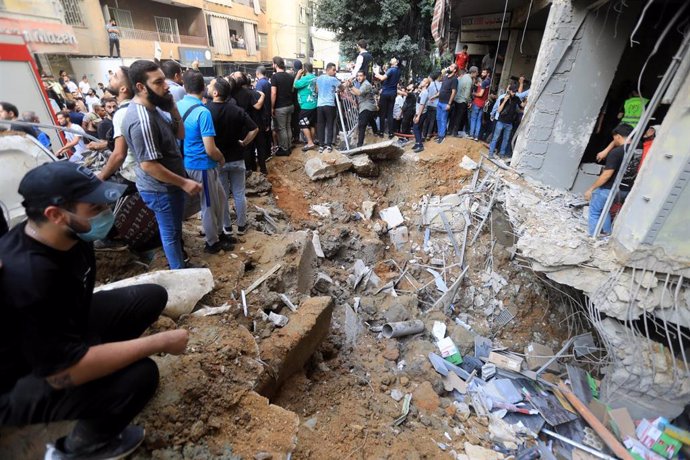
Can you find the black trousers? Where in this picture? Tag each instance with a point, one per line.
(458, 118)
(249, 155)
(263, 148)
(103, 407)
(114, 43)
(407, 122)
(325, 124)
(386, 104)
(429, 125)
(366, 118)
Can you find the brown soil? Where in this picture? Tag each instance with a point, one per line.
(342, 398)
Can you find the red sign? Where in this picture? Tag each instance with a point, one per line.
(42, 37)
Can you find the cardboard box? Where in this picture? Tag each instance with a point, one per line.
(505, 361)
(652, 437)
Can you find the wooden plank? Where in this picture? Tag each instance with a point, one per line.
(263, 278)
(608, 437)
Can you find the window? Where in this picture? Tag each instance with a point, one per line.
(302, 15)
(123, 18)
(72, 11)
(263, 41)
(167, 29)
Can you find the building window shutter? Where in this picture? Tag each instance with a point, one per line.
(250, 38)
(257, 7)
(221, 35)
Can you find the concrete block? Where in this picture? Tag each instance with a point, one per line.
(529, 161)
(537, 147)
(555, 85)
(539, 134)
(550, 102)
(307, 265)
(288, 349)
(327, 165)
(544, 119)
(399, 236)
(537, 355)
(387, 150)
(323, 282)
(364, 166)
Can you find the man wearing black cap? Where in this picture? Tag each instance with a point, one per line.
(65, 352)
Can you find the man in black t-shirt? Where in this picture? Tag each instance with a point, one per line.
(598, 193)
(282, 105)
(445, 98)
(65, 352)
(235, 130)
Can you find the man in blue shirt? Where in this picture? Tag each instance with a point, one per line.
(201, 160)
(389, 90)
(326, 86)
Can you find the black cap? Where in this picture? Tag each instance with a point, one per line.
(296, 64)
(61, 182)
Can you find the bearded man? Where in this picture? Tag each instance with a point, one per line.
(151, 127)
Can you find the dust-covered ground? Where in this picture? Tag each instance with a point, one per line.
(341, 406)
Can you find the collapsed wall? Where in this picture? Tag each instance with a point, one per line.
(648, 377)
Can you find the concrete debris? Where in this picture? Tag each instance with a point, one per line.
(364, 166)
(537, 355)
(386, 150)
(392, 217)
(287, 302)
(278, 320)
(473, 452)
(494, 281)
(185, 287)
(468, 163)
(262, 278)
(320, 210)
(396, 394)
(368, 209)
(316, 241)
(210, 311)
(323, 282)
(327, 165)
(399, 236)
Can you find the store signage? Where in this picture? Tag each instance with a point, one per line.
(42, 37)
(189, 55)
(484, 22)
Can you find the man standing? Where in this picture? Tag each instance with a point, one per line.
(364, 62)
(367, 107)
(234, 130)
(67, 353)
(264, 138)
(113, 37)
(632, 109)
(481, 95)
(445, 97)
(71, 87)
(173, 77)
(201, 160)
(75, 138)
(151, 126)
(461, 59)
(282, 105)
(420, 115)
(506, 115)
(122, 157)
(251, 101)
(84, 86)
(598, 193)
(462, 98)
(75, 116)
(389, 91)
(93, 119)
(105, 128)
(326, 111)
(305, 84)
(432, 104)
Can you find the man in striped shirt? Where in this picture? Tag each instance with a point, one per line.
(151, 126)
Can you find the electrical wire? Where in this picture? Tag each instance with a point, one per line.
(524, 31)
(639, 23)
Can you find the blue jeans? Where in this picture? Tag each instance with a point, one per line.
(501, 128)
(441, 119)
(596, 205)
(233, 177)
(169, 209)
(475, 121)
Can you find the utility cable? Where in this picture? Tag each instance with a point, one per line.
(524, 31)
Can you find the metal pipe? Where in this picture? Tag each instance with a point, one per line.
(46, 126)
(587, 449)
(402, 328)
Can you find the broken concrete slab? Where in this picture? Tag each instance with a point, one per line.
(185, 287)
(468, 163)
(399, 236)
(327, 165)
(392, 217)
(364, 166)
(537, 355)
(288, 349)
(387, 150)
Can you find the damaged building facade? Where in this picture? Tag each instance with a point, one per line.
(591, 54)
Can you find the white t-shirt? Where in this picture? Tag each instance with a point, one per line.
(84, 87)
(79, 148)
(90, 101)
(72, 87)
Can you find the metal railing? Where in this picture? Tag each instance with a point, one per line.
(154, 36)
(348, 113)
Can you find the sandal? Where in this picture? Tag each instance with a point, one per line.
(307, 148)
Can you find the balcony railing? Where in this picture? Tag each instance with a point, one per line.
(163, 37)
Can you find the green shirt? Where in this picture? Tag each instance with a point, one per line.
(306, 91)
(633, 108)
